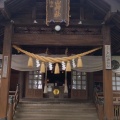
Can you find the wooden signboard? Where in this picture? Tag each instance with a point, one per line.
(57, 11)
(5, 66)
(108, 56)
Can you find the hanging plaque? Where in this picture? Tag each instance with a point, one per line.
(57, 11)
(108, 56)
(5, 66)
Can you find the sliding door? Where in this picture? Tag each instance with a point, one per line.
(79, 85)
(34, 85)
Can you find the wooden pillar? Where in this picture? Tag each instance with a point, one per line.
(6, 70)
(90, 85)
(107, 74)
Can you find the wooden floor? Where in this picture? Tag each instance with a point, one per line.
(55, 110)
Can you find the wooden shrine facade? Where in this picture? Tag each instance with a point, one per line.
(92, 23)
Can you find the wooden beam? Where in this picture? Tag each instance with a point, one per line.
(6, 70)
(4, 10)
(6, 14)
(1, 4)
(107, 77)
(109, 17)
(82, 17)
(29, 22)
(97, 6)
(115, 5)
(57, 39)
(34, 11)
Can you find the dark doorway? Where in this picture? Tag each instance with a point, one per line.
(59, 78)
(58, 81)
(56, 78)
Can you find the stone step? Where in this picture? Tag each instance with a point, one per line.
(56, 105)
(55, 112)
(77, 110)
(61, 111)
(61, 118)
(55, 115)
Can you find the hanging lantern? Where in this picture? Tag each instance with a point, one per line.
(30, 62)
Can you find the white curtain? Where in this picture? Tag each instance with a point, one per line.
(90, 63)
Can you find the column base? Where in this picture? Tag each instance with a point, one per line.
(3, 118)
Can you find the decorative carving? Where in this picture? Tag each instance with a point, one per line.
(51, 3)
(57, 9)
(49, 30)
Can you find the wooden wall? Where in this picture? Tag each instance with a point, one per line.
(14, 79)
(98, 79)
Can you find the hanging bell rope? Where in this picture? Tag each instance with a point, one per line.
(45, 86)
(54, 60)
(65, 85)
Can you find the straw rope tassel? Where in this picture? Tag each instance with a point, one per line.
(68, 66)
(30, 62)
(42, 67)
(57, 70)
(79, 62)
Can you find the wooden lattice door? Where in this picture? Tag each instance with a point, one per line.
(79, 85)
(34, 86)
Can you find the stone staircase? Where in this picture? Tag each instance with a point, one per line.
(55, 111)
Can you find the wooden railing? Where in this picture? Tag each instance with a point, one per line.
(116, 112)
(13, 102)
(99, 102)
(116, 103)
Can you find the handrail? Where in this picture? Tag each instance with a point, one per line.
(13, 102)
(99, 102)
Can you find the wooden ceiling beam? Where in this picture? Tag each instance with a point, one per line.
(96, 6)
(1, 4)
(34, 12)
(57, 40)
(29, 22)
(4, 10)
(6, 14)
(108, 17)
(115, 5)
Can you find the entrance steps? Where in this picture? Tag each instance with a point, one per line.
(29, 110)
